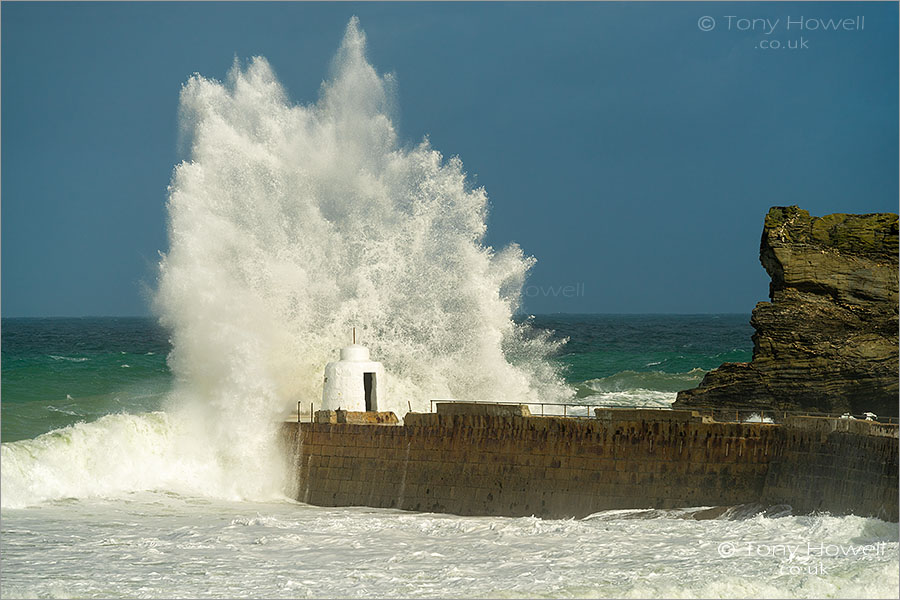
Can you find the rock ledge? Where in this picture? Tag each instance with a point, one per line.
(827, 341)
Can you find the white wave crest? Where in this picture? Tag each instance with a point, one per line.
(69, 358)
(123, 453)
(289, 225)
(292, 224)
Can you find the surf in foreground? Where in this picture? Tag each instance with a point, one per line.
(165, 545)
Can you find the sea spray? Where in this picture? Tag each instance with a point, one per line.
(288, 226)
(116, 453)
(291, 224)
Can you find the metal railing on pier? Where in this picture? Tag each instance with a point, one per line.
(723, 415)
(586, 411)
(543, 409)
(311, 415)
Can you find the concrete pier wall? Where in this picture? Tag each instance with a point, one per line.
(481, 461)
(836, 465)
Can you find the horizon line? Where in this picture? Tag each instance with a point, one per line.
(515, 315)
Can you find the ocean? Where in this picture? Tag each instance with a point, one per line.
(100, 498)
(58, 372)
(141, 458)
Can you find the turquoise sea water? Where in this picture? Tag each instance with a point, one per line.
(56, 372)
(654, 353)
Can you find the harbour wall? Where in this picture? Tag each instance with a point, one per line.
(491, 460)
(837, 465)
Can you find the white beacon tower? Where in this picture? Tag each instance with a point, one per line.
(353, 383)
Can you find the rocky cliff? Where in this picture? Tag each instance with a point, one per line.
(827, 341)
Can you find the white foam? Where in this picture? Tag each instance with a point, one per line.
(291, 224)
(69, 358)
(122, 453)
(756, 418)
(288, 226)
(278, 550)
(631, 398)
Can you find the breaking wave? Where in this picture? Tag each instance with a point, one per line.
(288, 226)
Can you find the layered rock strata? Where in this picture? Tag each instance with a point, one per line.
(827, 341)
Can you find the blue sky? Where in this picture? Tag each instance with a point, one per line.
(630, 151)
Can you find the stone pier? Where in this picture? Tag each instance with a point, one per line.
(471, 459)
